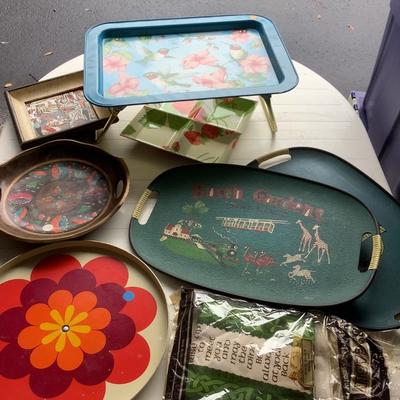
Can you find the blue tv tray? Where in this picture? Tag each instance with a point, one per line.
(141, 62)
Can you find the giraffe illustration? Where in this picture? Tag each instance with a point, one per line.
(321, 246)
(306, 238)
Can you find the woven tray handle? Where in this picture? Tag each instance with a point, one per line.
(377, 242)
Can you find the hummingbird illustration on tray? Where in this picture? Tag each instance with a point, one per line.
(164, 79)
(237, 52)
(149, 55)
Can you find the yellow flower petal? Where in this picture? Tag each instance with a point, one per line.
(69, 312)
(55, 314)
(74, 339)
(50, 337)
(61, 343)
(80, 317)
(49, 326)
(81, 328)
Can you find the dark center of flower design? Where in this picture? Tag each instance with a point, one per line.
(61, 196)
(65, 328)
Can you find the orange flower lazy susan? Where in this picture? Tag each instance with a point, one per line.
(82, 323)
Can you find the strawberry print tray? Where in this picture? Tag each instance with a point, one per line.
(140, 62)
(203, 130)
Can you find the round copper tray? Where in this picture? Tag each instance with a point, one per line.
(60, 190)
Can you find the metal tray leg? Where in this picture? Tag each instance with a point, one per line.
(111, 119)
(269, 113)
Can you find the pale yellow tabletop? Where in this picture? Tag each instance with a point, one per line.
(314, 114)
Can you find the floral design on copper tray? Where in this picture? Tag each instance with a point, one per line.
(188, 62)
(57, 197)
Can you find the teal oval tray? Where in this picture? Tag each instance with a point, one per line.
(257, 234)
(378, 308)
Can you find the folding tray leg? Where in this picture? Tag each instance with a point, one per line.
(113, 116)
(269, 113)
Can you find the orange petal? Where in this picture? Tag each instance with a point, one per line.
(93, 342)
(38, 313)
(30, 337)
(59, 300)
(84, 301)
(43, 356)
(70, 358)
(98, 318)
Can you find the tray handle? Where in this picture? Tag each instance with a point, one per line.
(121, 188)
(269, 156)
(377, 242)
(140, 204)
(377, 250)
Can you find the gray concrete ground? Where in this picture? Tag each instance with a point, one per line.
(339, 39)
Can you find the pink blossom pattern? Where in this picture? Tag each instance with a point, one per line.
(254, 64)
(125, 87)
(114, 63)
(214, 80)
(241, 36)
(194, 60)
(185, 62)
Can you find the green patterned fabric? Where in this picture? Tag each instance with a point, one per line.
(205, 383)
(228, 349)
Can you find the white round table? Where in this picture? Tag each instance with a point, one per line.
(314, 114)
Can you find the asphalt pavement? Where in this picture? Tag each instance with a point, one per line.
(338, 39)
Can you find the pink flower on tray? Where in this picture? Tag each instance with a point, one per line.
(194, 60)
(184, 107)
(199, 114)
(214, 80)
(125, 87)
(255, 64)
(240, 36)
(114, 64)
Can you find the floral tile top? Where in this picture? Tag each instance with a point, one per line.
(189, 62)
